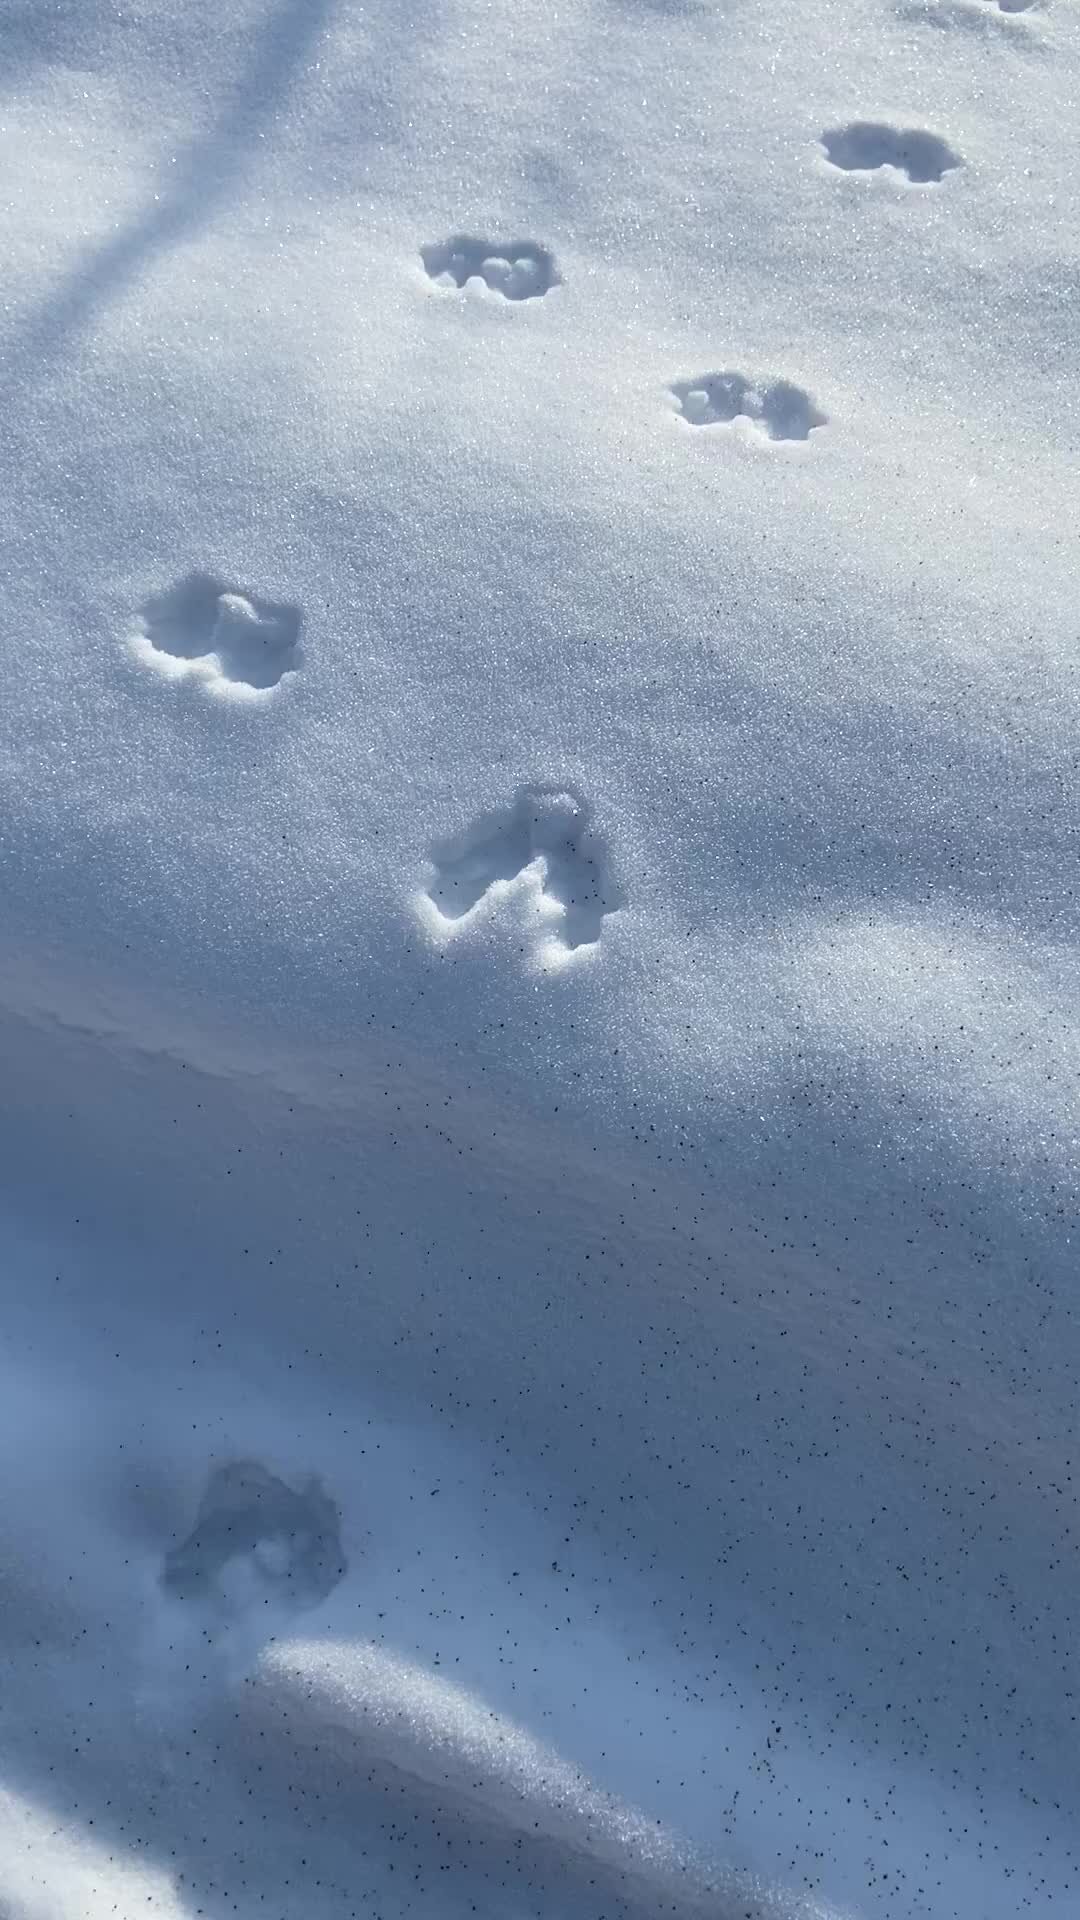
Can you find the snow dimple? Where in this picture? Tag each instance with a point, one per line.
(546, 832)
(1001, 17)
(775, 409)
(866, 145)
(229, 638)
(286, 1545)
(518, 269)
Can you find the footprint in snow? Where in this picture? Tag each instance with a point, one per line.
(518, 269)
(867, 145)
(546, 833)
(255, 1538)
(232, 640)
(775, 409)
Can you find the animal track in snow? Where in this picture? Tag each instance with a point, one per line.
(778, 410)
(232, 640)
(254, 1530)
(866, 145)
(546, 834)
(519, 270)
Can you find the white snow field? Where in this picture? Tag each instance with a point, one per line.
(539, 822)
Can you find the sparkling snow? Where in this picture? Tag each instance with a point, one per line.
(538, 959)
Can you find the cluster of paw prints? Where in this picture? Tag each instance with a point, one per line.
(546, 834)
(771, 409)
(237, 644)
(523, 270)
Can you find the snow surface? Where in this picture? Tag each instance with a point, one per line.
(538, 962)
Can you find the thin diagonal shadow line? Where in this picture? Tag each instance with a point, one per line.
(194, 186)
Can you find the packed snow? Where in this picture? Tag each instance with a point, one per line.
(539, 959)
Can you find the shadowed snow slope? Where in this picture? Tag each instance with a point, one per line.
(538, 960)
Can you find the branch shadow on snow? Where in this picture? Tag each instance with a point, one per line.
(67, 34)
(189, 190)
